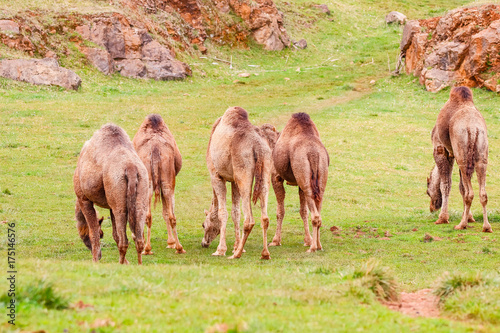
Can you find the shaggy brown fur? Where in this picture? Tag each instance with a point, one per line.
(158, 150)
(110, 174)
(301, 159)
(460, 133)
(237, 153)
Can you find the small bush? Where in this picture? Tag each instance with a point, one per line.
(379, 279)
(449, 284)
(40, 293)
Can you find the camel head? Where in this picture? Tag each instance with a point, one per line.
(84, 235)
(269, 132)
(434, 190)
(211, 225)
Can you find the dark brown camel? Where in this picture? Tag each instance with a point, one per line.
(158, 150)
(237, 153)
(301, 159)
(459, 134)
(111, 175)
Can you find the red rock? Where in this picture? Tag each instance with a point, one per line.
(462, 47)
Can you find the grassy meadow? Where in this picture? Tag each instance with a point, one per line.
(376, 129)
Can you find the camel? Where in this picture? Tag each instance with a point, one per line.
(459, 134)
(158, 150)
(237, 153)
(301, 159)
(110, 174)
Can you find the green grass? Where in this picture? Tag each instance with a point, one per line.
(378, 138)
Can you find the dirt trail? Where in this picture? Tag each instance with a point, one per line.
(421, 303)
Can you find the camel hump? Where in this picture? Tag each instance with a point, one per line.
(236, 116)
(155, 121)
(302, 117)
(461, 94)
(112, 135)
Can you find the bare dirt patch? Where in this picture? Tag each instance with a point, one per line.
(421, 303)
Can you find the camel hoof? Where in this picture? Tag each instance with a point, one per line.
(487, 229)
(147, 252)
(125, 262)
(311, 251)
(181, 251)
(219, 253)
(265, 257)
(471, 220)
(441, 221)
(171, 246)
(459, 227)
(234, 257)
(273, 243)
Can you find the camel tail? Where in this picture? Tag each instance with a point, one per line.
(156, 173)
(132, 181)
(471, 152)
(313, 163)
(259, 177)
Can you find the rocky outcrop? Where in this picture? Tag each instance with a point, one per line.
(129, 50)
(212, 19)
(460, 48)
(40, 71)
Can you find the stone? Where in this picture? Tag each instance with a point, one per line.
(323, 8)
(134, 68)
(40, 72)
(410, 29)
(301, 44)
(395, 17)
(447, 56)
(101, 59)
(437, 79)
(8, 26)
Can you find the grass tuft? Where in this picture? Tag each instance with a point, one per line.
(448, 284)
(40, 293)
(377, 278)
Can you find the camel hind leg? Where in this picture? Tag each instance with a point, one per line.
(170, 219)
(470, 218)
(305, 218)
(279, 191)
(483, 197)
(245, 187)
(264, 222)
(468, 196)
(149, 223)
(236, 214)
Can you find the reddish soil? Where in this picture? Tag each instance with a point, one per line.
(421, 303)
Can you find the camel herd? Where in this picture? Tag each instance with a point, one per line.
(122, 175)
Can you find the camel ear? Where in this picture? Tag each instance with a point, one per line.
(428, 180)
(206, 212)
(274, 129)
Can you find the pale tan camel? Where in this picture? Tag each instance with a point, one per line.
(301, 159)
(237, 153)
(460, 133)
(158, 150)
(111, 175)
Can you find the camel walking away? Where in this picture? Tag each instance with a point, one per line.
(301, 159)
(158, 150)
(110, 174)
(459, 134)
(237, 153)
